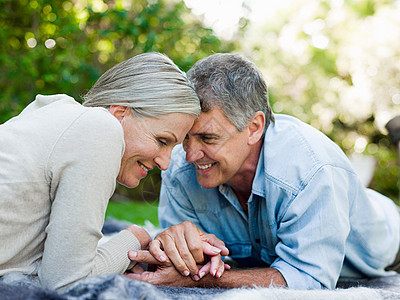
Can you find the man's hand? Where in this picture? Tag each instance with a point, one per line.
(214, 267)
(141, 234)
(184, 245)
(165, 273)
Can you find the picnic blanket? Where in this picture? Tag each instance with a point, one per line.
(17, 286)
(115, 286)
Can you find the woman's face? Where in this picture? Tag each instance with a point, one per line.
(149, 142)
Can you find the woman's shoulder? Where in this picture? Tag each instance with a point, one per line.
(98, 124)
(88, 133)
(69, 122)
(98, 118)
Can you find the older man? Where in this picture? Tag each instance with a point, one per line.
(281, 195)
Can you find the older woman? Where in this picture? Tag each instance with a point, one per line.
(59, 161)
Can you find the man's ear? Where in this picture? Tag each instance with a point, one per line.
(256, 127)
(119, 111)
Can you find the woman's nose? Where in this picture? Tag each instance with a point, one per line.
(163, 159)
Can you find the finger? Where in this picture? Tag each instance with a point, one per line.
(216, 264)
(227, 267)
(137, 269)
(155, 250)
(145, 276)
(142, 256)
(188, 243)
(176, 256)
(204, 270)
(132, 276)
(182, 244)
(187, 257)
(209, 249)
(220, 269)
(193, 241)
(214, 241)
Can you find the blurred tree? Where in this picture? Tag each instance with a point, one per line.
(336, 65)
(49, 47)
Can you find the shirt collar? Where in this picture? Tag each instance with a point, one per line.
(258, 187)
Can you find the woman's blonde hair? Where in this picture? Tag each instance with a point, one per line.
(149, 83)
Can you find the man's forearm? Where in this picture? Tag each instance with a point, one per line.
(245, 277)
(166, 274)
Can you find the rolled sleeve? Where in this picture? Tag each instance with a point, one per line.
(295, 279)
(112, 256)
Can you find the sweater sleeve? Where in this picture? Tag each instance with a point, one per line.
(82, 169)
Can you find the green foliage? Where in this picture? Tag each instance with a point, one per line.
(334, 65)
(385, 179)
(133, 211)
(386, 174)
(49, 47)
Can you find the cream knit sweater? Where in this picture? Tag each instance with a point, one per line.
(58, 165)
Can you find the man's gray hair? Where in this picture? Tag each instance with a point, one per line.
(149, 83)
(232, 83)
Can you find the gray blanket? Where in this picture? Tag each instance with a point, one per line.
(17, 286)
(114, 286)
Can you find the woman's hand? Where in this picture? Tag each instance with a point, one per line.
(165, 273)
(141, 234)
(160, 273)
(185, 245)
(215, 266)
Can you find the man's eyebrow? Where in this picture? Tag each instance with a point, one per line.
(207, 135)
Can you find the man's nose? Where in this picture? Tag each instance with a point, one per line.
(193, 150)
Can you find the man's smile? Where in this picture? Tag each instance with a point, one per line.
(204, 166)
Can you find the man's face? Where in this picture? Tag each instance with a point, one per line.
(217, 148)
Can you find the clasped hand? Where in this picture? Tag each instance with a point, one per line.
(178, 252)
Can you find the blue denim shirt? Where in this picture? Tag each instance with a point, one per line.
(309, 216)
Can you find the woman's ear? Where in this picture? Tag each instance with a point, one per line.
(256, 127)
(119, 111)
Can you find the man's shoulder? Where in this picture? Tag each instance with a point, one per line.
(294, 150)
(290, 137)
(290, 129)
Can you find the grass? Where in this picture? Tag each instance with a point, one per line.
(133, 211)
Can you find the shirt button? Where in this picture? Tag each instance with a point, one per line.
(257, 241)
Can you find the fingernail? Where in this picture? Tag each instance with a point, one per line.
(196, 278)
(201, 274)
(213, 273)
(186, 273)
(216, 250)
(218, 275)
(163, 258)
(133, 254)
